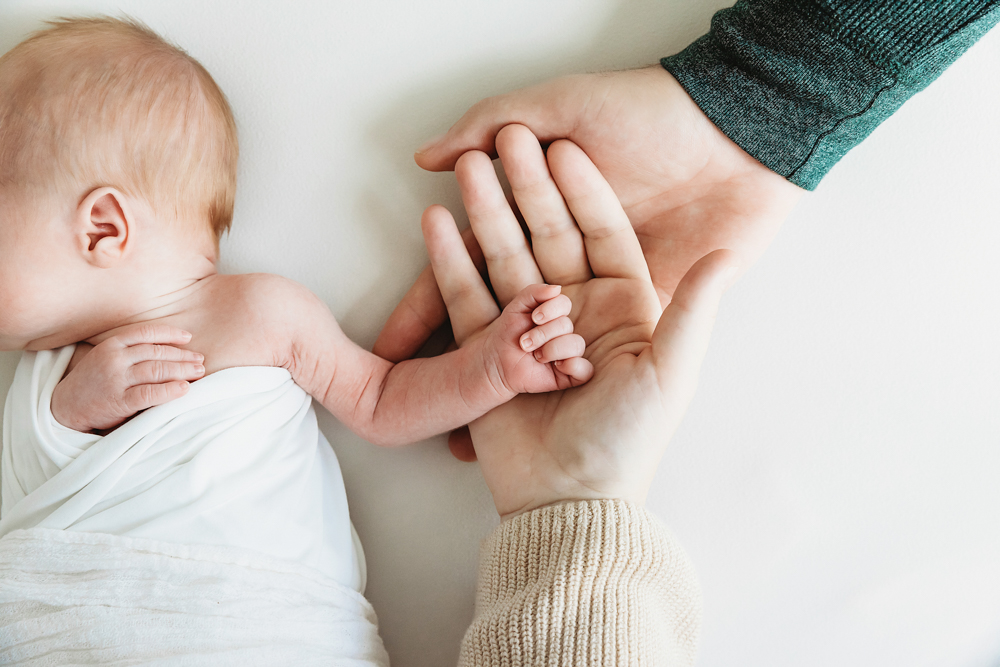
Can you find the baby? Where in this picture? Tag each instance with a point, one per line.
(117, 176)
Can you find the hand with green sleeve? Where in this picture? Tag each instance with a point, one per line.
(712, 148)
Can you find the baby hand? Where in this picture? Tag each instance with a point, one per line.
(125, 374)
(532, 347)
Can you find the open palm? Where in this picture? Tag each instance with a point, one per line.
(544, 448)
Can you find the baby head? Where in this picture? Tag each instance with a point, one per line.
(117, 154)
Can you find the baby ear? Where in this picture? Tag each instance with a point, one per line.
(103, 227)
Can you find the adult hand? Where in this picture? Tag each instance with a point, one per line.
(685, 186)
(604, 439)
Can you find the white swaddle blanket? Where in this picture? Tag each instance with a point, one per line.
(70, 598)
(237, 464)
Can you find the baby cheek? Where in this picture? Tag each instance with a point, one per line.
(10, 313)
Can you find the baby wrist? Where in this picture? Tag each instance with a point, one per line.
(486, 379)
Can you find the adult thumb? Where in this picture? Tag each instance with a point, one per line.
(685, 327)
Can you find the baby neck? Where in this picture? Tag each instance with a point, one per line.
(129, 297)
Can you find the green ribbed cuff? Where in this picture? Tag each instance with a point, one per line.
(798, 83)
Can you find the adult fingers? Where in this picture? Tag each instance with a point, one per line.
(682, 334)
(161, 334)
(556, 241)
(144, 396)
(469, 303)
(612, 247)
(160, 372)
(418, 315)
(550, 110)
(421, 312)
(508, 256)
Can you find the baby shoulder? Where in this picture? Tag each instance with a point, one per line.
(272, 299)
(267, 319)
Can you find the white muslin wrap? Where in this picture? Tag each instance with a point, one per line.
(163, 507)
(70, 598)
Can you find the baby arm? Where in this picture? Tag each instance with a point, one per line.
(125, 374)
(530, 348)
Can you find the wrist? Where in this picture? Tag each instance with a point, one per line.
(483, 384)
(62, 417)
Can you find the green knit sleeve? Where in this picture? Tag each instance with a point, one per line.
(798, 83)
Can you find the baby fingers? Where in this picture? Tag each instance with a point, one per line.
(144, 396)
(534, 339)
(168, 353)
(531, 299)
(561, 347)
(559, 306)
(160, 372)
(577, 369)
(151, 333)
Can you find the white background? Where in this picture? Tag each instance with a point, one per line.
(837, 479)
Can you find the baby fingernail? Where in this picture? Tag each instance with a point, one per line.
(199, 368)
(538, 355)
(525, 342)
(537, 316)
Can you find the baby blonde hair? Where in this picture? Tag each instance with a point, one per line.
(92, 102)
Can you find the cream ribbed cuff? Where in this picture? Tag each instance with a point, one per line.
(597, 582)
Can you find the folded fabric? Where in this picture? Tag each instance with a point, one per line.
(239, 461)
(88, 598)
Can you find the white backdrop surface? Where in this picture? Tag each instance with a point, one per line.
(837, 479)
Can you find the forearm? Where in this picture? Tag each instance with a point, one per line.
(586, 583)
(418, 398)
(798, 83)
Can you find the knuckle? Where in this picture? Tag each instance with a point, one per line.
(147, 332)
(147, 394)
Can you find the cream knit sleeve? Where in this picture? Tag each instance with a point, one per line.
(586, 583)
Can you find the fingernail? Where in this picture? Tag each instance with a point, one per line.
(199, 357)
(199, 369)
(538, 355)
(186, 334)
(526, 342)
(430, 143)
(538, 316)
